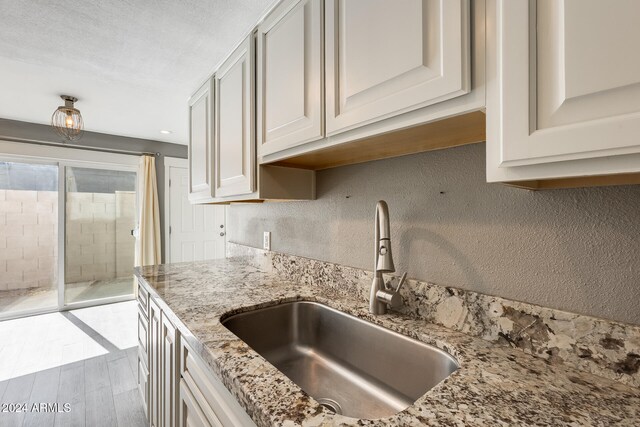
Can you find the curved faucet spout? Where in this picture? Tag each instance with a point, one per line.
(383, 257)
(382, 236)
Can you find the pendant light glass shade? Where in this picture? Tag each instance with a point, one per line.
(67, 120)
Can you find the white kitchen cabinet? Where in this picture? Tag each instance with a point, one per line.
(177, 387)
(290, 98)
(204, 400)
(342, 82)
(201, 184)
(401, 77)
(143, 385)
(169, 378)
(384, 58)
(143, 348)
(143, 337)
(234, 136)
(564, 90)
(191, 414)
(235, 174)
(155, 390)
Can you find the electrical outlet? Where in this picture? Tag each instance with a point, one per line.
(266, 243)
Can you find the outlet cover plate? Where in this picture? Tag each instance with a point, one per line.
(266, 242)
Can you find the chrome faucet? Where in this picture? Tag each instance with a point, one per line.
(382, 294)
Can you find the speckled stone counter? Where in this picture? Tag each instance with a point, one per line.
(495, 385)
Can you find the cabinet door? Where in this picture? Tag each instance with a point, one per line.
(214, 401)
(385, 57)
(191, 414)
(143, 300)
(290, 98)
(143, 383)
(155, 402)
(566, 87)
(234, 138)
(168, 372)
(201, 187)
(143, 336)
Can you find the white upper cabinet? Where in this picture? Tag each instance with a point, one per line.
(201, 187)
(384, 58)
(290, 104)
(564, 94)
(234, 137)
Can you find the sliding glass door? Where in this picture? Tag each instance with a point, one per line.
(28, 237)
(66, 233)
(100, 216)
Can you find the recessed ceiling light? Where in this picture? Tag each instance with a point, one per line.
(166, 132)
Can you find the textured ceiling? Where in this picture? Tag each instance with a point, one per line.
(132, 64)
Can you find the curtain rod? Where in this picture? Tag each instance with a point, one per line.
(79, 147)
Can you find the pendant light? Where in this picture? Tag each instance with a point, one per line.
(67, 120)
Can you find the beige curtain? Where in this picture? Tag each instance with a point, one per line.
(148, 249)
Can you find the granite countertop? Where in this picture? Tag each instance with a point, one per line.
(495, 385)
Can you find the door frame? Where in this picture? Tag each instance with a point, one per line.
(62, 206)
(169, 162)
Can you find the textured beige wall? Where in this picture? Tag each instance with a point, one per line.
(575, 250)
(28, 239)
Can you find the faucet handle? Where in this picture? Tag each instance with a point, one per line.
(401, 282)
(391, 297)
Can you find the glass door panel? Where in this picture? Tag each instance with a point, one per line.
(99, 245)
(28, 238)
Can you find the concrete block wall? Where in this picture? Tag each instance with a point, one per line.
(125, 222)
(99, 244)
(28, 239)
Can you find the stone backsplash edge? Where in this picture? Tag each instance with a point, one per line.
(602, 347)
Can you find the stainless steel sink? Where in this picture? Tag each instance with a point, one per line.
(349, 365)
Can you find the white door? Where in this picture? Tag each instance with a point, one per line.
(196, 232)
(384, 57)
(234, 136)
(565, 100)
(290, 97)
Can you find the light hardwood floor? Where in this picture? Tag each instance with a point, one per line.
(86, 358)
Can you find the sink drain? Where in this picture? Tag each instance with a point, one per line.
(330, 404)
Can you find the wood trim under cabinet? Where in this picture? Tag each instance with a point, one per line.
(578, 182)
(452, 132)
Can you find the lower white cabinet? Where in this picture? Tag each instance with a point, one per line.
(169, 338)
(143, 348)
(204, 400)
(177, 387)
(154, 365)
(158, 367)
(190, 413)
(143, 382)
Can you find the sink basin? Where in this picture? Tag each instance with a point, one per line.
(347, 364)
